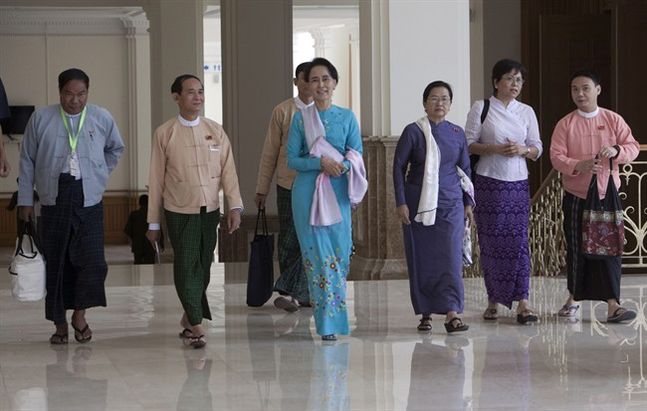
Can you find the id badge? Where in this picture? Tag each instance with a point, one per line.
(75, 169)
(214, 147)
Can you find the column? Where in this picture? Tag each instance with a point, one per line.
(139, 97)
(398, 60)
(257, 75)
(176, 47)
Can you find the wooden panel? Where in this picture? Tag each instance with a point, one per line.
(632, 60)
(7, 224)
(115, 215)
(557, 38)
(235, 247)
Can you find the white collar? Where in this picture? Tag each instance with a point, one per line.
(589, 115)
(187, 123)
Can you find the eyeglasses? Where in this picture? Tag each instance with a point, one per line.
(436, 100)
(516, 80)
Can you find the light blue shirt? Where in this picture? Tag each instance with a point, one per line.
(45, 151)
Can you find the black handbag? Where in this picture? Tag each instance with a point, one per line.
(260, 277)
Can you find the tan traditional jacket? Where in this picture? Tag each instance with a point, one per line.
(188, 167)
(274, 156)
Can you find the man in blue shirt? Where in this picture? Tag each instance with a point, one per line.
(68, 152)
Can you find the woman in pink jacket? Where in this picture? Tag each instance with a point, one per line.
(582, 143)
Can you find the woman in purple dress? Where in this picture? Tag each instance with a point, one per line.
(433, 207)
(507, 136)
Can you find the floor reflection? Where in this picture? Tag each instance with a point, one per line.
(329, 382)
(195, 393)
(438, 374)
(266, 359)
(69, 387)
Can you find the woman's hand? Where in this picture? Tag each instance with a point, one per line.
(469, 214)
(403, 214)
(510, 149)
(589, 166)
(608, 152)
(331, 167)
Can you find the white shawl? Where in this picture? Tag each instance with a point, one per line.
(428, 203)
(312, 125)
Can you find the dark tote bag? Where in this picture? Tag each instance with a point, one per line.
(603, 229)
(260, 277)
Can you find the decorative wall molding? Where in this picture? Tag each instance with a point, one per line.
(94, 21)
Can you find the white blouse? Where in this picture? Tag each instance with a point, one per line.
(515, 123)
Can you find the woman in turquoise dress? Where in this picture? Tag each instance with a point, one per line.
(326, 250)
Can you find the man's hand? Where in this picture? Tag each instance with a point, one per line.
(26, 213)
(153, 236)
(608, 152)
(259, 200)
(4, 163)
(589, 166)
(233, 220)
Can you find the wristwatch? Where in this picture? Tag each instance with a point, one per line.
(525, 154)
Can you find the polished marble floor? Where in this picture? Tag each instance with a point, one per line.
(265, 359)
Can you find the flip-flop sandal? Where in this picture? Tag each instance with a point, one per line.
(527, 316)
(58, 339)
(425, 324)
(620, 315)
(82, 336)
(196, 342)
(490, 314)
(186, 333)
(456, 325)
(568, 311)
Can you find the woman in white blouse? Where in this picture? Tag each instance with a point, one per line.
(503, 140)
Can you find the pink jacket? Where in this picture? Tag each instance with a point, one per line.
(578, 138)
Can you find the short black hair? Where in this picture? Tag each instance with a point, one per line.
(505, 66)
(176, 87)
(433, 85)
(143, 200)
(301, 68)
(72, 74)
(320, 61)
(586, 72)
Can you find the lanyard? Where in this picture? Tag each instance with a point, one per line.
(73, 138)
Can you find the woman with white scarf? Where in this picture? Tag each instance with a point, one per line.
(433, 202)
(325, 147)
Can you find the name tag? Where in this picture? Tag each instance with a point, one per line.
(75, 169)
(214, 147)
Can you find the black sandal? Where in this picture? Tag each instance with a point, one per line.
(82, 336)
(527, 316)
(621, 314)
(329, 337)
(58, 339)
(456, 325)
(425, 324)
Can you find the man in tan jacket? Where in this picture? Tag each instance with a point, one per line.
(191, 160)
(292, 282)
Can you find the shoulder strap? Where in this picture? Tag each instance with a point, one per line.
(486, 108)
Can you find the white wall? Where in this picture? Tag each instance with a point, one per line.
(429, 41)
(35, 46)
